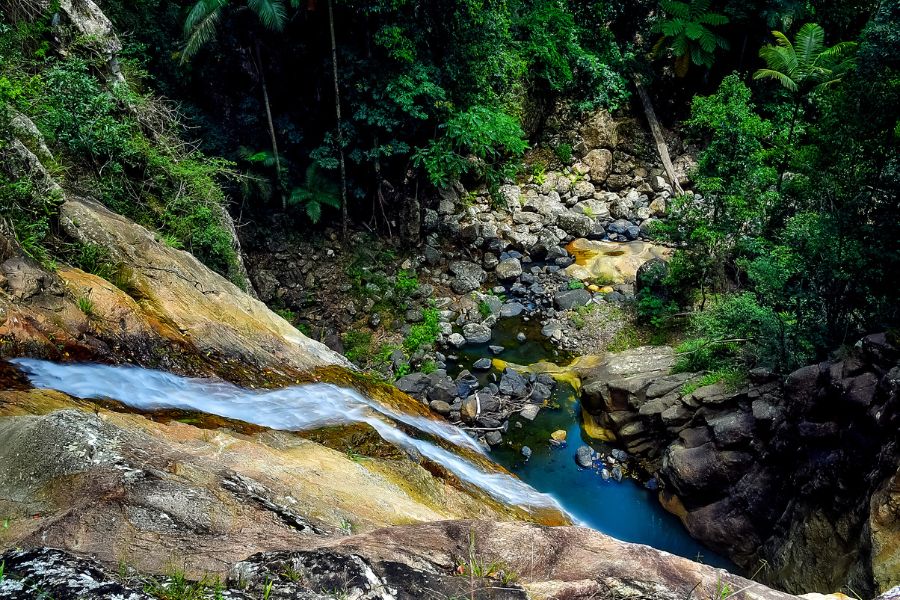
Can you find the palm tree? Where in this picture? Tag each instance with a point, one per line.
(200, 29)
(803, 67)
(688, 30)
(317, 191)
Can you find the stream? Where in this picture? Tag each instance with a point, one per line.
(549, 479)
(625, 510)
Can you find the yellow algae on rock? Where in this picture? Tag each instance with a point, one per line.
(611, 261)
(559, 435)
(594, 430)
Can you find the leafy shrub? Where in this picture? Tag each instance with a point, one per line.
(405, 283)
(564, 153)
(357, 345)
(479, 141)
(737, 330)
(424, 333)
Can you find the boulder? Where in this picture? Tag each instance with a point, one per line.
(509, 269)
(569, 299)
(575, 224)
(476, 333)
(584, 456)
(467, 276)
(513, 384)
(599, 131)
(511, 309)
(612, 261)
(600, 164)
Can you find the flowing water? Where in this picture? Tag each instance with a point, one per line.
(549, 479)
(297, 408)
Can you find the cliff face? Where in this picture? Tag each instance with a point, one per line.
(797, 475)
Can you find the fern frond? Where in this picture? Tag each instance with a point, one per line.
(698, 7)
(676, 9)
(708, 42)
(778, 76)
(314, 211)
(809, 43)
(779, 59)
(695, 31)
(714, 19)
(271, 13)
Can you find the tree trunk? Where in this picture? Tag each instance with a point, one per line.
(265, 90)
(337, 112)
(656, 130)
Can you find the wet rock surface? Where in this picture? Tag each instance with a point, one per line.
(407, 563)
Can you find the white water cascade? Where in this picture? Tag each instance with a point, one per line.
(297, 408)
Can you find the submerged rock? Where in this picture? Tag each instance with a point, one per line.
(584, 456)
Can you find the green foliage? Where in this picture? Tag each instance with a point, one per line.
(178, 587)
(357, 345)
(738, 330)
(405, 283)
(317, 191)
(655, 310)
(479, 141)
(29, 211)
(425, 333)
(736, 180)
(687, 30)
(94, 259)
(205, 15)
(732, 378)
(86, 305)
(563, 153)
(806, 64)
(122, 147)
(575, 284)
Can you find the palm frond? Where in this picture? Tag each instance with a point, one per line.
(779, 58)
(271, 13)
(200, 11)
(314, 211)
(839, 54)
(778, 76)
(200, 26)
(782, 40)
(809, 43)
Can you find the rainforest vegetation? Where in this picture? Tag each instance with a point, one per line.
(352, 113)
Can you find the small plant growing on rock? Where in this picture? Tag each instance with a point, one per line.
(424, 333)
(86, 305)
(475, 567)
(574, 284)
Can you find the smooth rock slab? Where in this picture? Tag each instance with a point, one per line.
(569, 299)
(511, 309)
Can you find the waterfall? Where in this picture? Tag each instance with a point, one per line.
(296, 408)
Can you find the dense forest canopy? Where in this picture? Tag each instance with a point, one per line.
(789, 250)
